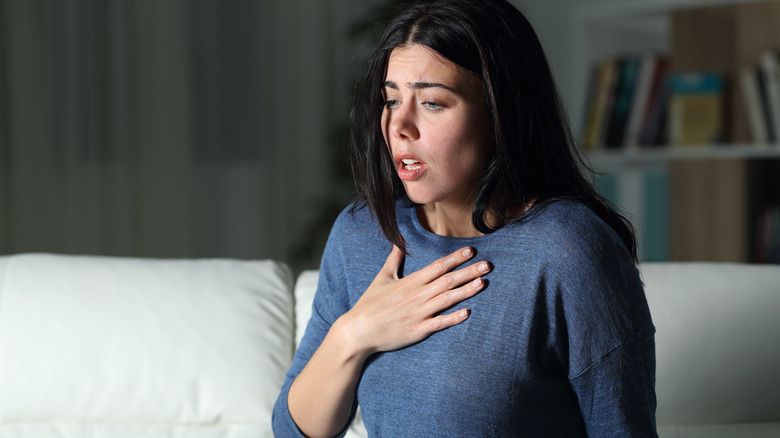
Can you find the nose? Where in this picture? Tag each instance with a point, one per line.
(403, 123)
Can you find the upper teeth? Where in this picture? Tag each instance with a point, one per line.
(410, 164)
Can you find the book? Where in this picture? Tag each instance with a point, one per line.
(768, 235)
(752, 97)
(599, 103)
(764, 104)
(624, 94)
(763, 232)
(610, 91)
(696, 108)
(642, 94)
(768, 66)
(590, 100)
(773, 253)
(627, 102)
(654, 127)
(655, 214)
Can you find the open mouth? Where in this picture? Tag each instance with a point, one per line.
(409, 167)
(410, 164)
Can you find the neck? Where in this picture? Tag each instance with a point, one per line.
(455, 221)
(452, 221)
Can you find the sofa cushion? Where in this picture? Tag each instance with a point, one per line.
(305, 288)
(112, 347)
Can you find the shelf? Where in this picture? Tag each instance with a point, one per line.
(606, 160)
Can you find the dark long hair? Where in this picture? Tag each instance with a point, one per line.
(536, 160)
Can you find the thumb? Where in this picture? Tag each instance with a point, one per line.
(393, 263)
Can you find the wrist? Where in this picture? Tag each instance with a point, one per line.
(347, 336)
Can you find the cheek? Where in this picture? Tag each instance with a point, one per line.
(384, 122)
(469, 152)
(466, 145)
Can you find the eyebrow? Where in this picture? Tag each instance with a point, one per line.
(420, 85)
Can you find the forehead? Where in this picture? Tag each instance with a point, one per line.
(418, 63)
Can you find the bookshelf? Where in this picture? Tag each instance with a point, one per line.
(689, 202)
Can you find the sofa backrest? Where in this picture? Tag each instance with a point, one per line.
(717, 348)
(115, 347)
(121, 347)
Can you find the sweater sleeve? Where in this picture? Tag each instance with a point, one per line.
(330, 302)
(606, 332)
(617, 394)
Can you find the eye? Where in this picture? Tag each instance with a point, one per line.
(433, 106)
(391, 103)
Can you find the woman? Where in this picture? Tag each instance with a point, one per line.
(509, 303)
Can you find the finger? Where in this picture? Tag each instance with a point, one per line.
(393, 263)
(449, 298)
(442, 322)
(459, 277)
(445, 264)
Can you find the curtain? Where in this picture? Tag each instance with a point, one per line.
(177, 128)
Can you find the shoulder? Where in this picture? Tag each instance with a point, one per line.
(593, 273)
(571, 233)
(353, 226)
(578, 248)
(355, 244)
(586, 263)
(355, 214)
(592, 282)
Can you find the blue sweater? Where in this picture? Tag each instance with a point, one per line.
(559, 344)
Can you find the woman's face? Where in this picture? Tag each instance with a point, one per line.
(436, 125)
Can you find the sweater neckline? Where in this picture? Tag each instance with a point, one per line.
(412, 217)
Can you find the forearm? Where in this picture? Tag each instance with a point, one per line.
(321, 397)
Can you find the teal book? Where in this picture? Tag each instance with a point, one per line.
(643, 196)
(607, 186)
(624, 95)
(656, 215)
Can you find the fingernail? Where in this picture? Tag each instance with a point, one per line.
(477, 282)
(483, 267)
(463, 313)
(466, 252)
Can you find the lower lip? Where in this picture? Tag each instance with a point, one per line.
(411, 175)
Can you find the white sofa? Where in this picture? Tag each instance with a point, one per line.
(98, 347)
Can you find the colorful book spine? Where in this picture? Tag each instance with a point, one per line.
(626, 104)
(623, 98)
(768, 67)
(753, 102)
(653, 129)
(600, 103)
(642, 95)
(696, 110)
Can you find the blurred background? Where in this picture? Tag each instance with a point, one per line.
(213, 128)
(175, 128)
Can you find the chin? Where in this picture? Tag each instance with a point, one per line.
(418, 198)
